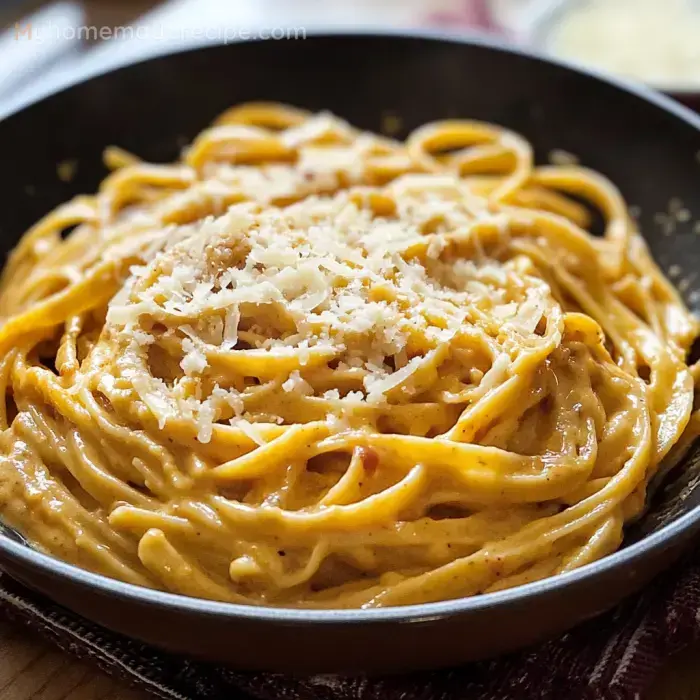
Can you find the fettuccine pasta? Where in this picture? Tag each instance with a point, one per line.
(309, 366)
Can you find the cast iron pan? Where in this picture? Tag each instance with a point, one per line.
(646, 143)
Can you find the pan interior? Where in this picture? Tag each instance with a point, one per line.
(154, 108)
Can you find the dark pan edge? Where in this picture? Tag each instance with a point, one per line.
(640, 90)
(653, 543)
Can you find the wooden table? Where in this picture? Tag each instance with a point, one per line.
(31, 669)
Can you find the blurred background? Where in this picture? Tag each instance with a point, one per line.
(44, 43)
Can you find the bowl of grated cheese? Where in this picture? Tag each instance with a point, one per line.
(643, 40)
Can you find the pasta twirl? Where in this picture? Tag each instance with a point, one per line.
(310, 366)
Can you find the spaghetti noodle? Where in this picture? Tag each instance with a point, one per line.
(309, 366)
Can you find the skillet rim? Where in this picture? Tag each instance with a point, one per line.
(422, 612)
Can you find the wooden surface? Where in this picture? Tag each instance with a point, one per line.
(31, 669)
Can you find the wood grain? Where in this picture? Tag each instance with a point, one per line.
(30, 669)
(680, 679)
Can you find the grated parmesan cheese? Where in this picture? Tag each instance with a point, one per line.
(642, 39)
(296, 384)
(231, 321)
(324, 279)
(250, 430)
(194, 361)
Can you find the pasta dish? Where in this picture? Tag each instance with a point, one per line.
(310, 366)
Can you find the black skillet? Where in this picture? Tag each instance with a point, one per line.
(646, 143)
